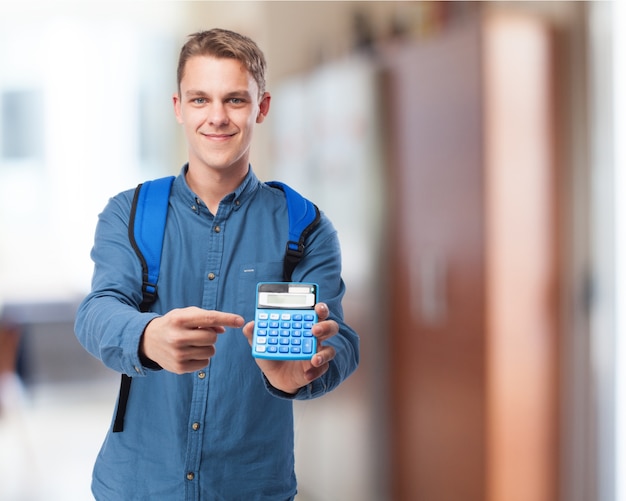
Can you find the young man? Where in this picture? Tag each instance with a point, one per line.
(204, 419)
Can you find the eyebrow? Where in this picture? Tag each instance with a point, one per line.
(195, 93)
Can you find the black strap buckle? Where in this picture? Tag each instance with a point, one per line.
(149, 291)
(295, 249)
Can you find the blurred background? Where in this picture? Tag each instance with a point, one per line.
(471, 156)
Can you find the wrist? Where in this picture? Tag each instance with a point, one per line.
(287, 393)
(146, 361)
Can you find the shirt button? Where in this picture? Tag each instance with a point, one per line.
(211, 276)
(237, 203)
(137, 369)
(201, 374)
(217, 229)
(190, 476)
(195, 426)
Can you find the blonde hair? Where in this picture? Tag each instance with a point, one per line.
(222, 43)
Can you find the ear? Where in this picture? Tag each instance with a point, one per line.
(177, 110)
(264, 107)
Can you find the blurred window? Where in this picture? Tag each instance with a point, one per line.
(20, 109)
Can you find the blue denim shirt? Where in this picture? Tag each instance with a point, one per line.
(221, 433)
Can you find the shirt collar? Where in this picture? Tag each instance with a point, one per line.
(245, 190)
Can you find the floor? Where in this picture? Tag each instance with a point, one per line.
(49, 437)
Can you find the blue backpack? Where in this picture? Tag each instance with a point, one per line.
(146, 229)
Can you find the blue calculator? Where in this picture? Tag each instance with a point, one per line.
(285, 314)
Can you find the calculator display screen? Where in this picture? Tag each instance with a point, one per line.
(287, 295)
(286, 300)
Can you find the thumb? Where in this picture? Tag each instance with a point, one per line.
(247, 330)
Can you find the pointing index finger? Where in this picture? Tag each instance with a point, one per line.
(211, 318)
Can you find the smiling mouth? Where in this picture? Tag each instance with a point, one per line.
(219, 137)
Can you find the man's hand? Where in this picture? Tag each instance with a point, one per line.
(289, 376)
(183, 340)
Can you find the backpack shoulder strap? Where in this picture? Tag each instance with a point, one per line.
(146, 229)
(303, 217)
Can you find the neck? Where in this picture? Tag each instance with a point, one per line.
(212, 186)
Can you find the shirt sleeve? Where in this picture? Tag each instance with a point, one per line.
(322, 265)
(108, 321)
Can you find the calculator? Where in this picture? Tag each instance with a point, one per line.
(285, 314)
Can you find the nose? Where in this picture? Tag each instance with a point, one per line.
(217, 115)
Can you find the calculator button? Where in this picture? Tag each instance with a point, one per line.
(261, 340)
(261, 332)
(260, 349)
(275, 316)
(262, 325)
(307, 346)
(285, 316)
(297, 317)
(263, 316)
(308, 317)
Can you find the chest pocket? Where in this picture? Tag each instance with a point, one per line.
(249, 276)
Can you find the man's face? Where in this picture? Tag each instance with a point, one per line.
(218, 106)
